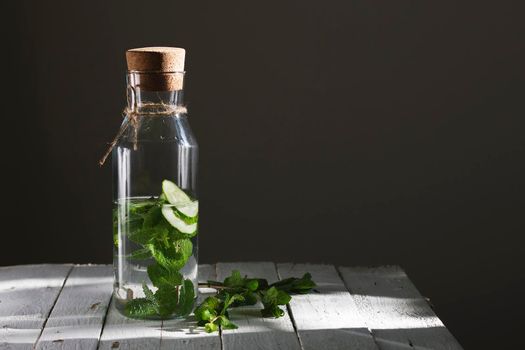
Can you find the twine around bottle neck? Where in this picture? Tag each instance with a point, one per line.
(133, 116)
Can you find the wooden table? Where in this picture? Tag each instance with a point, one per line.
(70, 307)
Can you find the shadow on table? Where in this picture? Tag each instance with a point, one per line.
(391, 339)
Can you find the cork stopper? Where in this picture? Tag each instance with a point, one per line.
(157, 68)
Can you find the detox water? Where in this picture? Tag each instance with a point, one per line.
(147, 243)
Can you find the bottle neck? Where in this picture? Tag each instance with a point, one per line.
(147, 89)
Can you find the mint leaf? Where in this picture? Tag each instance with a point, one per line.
(166, 297)
(186, 298)
(148, 292)
(272, 311)
(271, 299)
(229, 300)
(235, 280)
(243, 286)
(207, 310)
(140, 254)
(295, 285)
(115, 227)
(142, 207)
(152, 217)
(184, 247)
(146, 235)
(213, 312)
(211, 327)
(173, 257)
(161, 276)
(252, 285)
(140, 308)
(225, 323)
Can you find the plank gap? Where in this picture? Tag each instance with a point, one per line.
(329, 319)
(105, 319)
(54, 304)
(290, 312)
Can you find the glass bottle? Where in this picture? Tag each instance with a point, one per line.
(155, 191)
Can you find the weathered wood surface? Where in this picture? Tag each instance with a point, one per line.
(27, 295)
(68, 307)
(396, 313)
(78, 315)
(329, 318)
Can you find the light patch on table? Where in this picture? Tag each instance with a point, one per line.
(78, 315)
(254, 331)
(184, 333)
(27, 294)
(398, 316)
(328, 317)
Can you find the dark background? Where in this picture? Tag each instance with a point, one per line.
(346, 132)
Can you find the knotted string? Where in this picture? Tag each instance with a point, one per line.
(133, 119)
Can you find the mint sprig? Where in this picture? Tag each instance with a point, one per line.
(236, 291)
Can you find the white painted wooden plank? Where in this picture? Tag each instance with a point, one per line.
(27, 295)
(399, 317)
(256, 332)
(121, 332)
(78, 315)
(327, 318)
(184, 333)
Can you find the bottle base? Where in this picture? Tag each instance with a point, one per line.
(143, 313)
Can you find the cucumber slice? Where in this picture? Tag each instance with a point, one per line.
(174, 221)
(174, 194)
(189, 210)
(179, 199)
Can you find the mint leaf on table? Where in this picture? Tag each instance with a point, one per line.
(230, 299)
(235, 280)
(207, 310)
(225, 323)
(245, 287)
(213, 312)
(295, 285)
(211, 327)
(271, 300)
